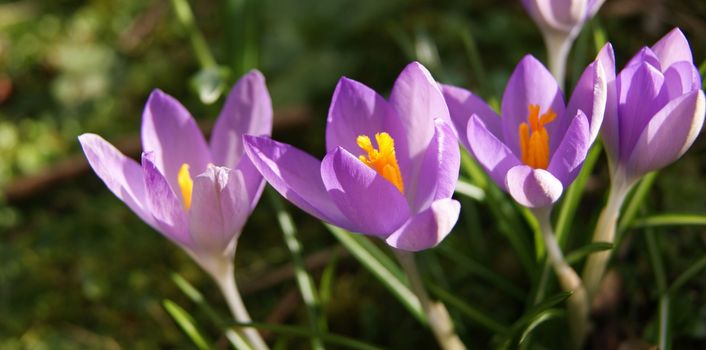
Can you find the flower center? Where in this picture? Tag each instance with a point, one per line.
(185, 184)
(534, 140)
(383, 159)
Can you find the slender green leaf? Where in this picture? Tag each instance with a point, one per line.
(670, 220)
(186, 323)
(537, 320)
(702, 70)
(330, 338)
(304, 280)
(578, 254)
(539, 308)
(388, 278)
(656, 261)
(573, 195)
(186, 18)
(326, 282)
(471, 312)
(635, 201)
(685, 276)
(665, 334)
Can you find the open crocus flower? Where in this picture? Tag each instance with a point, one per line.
(390, 167)
(538, 146)
(197, 195)
(655, 108)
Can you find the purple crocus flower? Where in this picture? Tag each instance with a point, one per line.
(196, 194)
(655, 108)
(390, 168)
(538, 146)
(566, 16)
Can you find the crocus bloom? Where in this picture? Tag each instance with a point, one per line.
(655, 108)
(538, 146)
(566, 16)
(390, 167)
(196, 194)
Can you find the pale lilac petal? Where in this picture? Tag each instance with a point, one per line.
(639, 99)
(590, 96)
(533, 188)
(645, 55)
(296, 175)
(355, 110)
(247, 110)
(439, 171)
(167, 210)
(668, 134)
(417, 99)
(370, 201)
(171, 133)
(680, 78)
(610, 128)
(530, 83)
(252, 179)
(569, 156)
(594, 6)
(122, 175)
(428, 228)
(673, 48)
(462, 104)
(219, 209)
(489, 151)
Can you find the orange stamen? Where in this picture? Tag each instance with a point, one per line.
(383, 159)
(534, 139)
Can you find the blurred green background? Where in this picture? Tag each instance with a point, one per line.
(79, 270)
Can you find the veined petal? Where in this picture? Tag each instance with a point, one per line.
(428, 228)
(570, 154)
(355, 110)
(417, 99)
(122, 175)
(247, 110)
(489, 151)
(296, 176)
(166, 208)
(590, 97)
(610, 128)
(252, 179)
(673, 48)
(680, 78)
(462, 104)
(668, 134)
(169, 131)
(369, 201)
(530, 83)
(533, 188)
(439, 171)
(639, 99)
(219, 209)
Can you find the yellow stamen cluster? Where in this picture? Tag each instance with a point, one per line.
(383, 159)
(185, 184)
(534, 139)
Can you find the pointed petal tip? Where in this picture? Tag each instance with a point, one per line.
(428, 228)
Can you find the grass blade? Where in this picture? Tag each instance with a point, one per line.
(670, 220)
(586, 250)
(471, 312)
(635, 201)
(540, 318)
(685, 276)
(186, 323)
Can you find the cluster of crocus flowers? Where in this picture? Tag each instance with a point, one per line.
(390, 167)
(196, 194)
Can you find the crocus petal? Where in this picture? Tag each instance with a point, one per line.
(590, 96)
(673, 48)
(645, 55)
(570, 154)
(248, 110)
(439, 170)
(252, 179)
(533, 188)
(417, 99)
(219, 208)
(490, 152)
(369, 200)
(462, 104)
(171, 133)
(355, 110)
(668, 134)
(680, 78)
(296, 176)
(594, 6)
(610, 128)
(639, 100)
(122, 175)
(166, 208)
(428, 228)
(530, 83)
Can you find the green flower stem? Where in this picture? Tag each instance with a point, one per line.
(578, 306)
(439, 320)
(226, 282)
(186, 18)
(605, 232)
